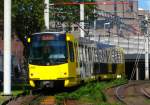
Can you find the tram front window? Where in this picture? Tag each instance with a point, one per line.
(48, 53)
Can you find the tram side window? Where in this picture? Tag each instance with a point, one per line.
(71, 51)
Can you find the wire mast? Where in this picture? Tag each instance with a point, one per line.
(82, 19)
(146, 49)
(7, 47)
(46, 14)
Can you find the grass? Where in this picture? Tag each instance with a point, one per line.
(16, 89)
(92, 92)
(5, 98)
(147, 101)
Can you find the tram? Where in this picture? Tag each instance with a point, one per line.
(59, 59)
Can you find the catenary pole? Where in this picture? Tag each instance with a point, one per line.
(7, 47)
(137, 73)
(95, 38)
(146, 50)
(46, 14)
(82, 20)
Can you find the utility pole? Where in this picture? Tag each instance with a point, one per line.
(82, 19)
(46, 14)
(95, 38)
(146, 49)
(137, 72)
(7, 47)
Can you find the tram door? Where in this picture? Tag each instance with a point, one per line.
(71, 61)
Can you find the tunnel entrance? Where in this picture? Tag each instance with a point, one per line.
(131, 65)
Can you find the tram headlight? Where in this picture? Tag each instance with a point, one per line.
(32, 83)
(118, 76)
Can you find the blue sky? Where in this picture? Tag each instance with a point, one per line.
(145, 4)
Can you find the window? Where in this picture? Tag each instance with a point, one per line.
(52, 52)
(131, 6)
(71, 51)
(100, 24)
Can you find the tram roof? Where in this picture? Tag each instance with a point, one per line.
(103, 45)
(82, 40)
(97, 44)
(50, 32)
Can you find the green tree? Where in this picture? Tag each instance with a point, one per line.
(1, 9)
(28, 17)
(70, 14)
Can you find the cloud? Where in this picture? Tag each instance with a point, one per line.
(140, 9)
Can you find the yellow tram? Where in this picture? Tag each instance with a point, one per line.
(58, 59)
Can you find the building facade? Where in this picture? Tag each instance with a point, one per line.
(16, 45)
(119, 18)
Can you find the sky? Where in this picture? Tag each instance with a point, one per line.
(145, 4)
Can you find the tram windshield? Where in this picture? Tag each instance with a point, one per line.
(48, 52)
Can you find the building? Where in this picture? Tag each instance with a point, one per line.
(141, 15)
(115, 18)
(118, 18)
(16, 45)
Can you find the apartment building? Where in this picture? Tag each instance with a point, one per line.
(118, 18)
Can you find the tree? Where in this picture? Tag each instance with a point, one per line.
(70, 14)
(1, 9)
(28, 17)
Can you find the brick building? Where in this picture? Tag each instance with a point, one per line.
(115, 18)
(141, 14)
(122, 18)
(16, 45)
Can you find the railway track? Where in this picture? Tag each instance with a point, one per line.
(133, 93)
(33, 100)
(146, 92)
(39, 100)
(26, 98)
(39, 97)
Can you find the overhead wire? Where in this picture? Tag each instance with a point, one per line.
(136, 63)
(138, 54)
(134, 29)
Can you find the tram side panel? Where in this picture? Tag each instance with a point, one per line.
(86, 62)
(110, 64)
